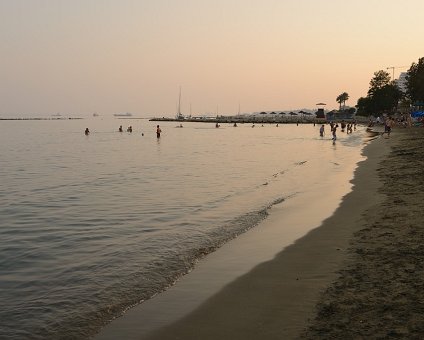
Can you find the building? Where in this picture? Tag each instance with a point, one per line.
(401, 82)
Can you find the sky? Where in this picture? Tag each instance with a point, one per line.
(77, 57)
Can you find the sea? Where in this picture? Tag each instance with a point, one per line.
(92, 225)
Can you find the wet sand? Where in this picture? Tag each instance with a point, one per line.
(345, 279)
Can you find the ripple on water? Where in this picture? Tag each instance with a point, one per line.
(91, 226)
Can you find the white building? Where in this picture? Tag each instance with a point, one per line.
(401, 82)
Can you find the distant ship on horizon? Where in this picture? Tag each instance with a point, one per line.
(126, 114)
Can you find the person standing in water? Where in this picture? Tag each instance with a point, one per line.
(334, 131)
(158, 131)
(321, 131)
(87, 131)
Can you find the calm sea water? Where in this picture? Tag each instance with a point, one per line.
(91, 225)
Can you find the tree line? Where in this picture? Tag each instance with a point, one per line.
(385, 96)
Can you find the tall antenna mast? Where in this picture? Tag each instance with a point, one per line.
(393, 70)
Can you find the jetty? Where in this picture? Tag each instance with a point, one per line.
(247, 119)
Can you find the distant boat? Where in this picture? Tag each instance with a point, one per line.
(179, 115)
(127, 114)
(95, 114)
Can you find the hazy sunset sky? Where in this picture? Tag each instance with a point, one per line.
(109, 56)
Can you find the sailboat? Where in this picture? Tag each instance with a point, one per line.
(179, 115)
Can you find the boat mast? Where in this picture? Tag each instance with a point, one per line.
(179, 105)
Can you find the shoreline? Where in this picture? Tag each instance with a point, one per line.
(277, 298)
(189, 294)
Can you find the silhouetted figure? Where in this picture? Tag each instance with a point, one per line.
(334, 131)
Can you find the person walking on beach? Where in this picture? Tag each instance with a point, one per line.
(322, 131)
(158, 131)
(388, 125)
(87, 131)
(120, 128)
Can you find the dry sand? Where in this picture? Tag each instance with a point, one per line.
(359, 275)
(379, 293)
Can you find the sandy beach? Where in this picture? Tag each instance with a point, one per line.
(379, 289)
(356, 276)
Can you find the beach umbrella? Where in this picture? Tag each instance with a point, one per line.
(263, 113)
(292, 114)
(417, 114)
(282, 113)
(273, 113)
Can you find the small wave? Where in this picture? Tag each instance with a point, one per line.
(279, 200)
(171, 269)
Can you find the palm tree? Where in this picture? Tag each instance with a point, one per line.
(345, 97)
(342, 98)
(340, 101)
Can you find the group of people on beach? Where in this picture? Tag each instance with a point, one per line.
(389, 122)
